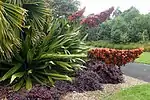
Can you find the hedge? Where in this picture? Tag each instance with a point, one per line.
(106, 44)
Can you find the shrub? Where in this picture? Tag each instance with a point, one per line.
(107, 44)
(15, 96)
(3, 92)
(113, 56)
(65, 86)
(42, 93)
(95, 20)
(87, 81)
(76, 15)
(108, 73)
(54, 56)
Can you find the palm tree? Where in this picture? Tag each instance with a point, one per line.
(17, 18)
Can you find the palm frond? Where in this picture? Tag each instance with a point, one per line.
(11, 18)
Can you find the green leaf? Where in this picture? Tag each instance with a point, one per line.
(16, 75)
(18, 85)
(11, 71)
(64, 65)
(62, 56)
(28, 83)
(11, 20)
(30, 55)
(40, 67)
(81, 60)
(51, 80)
(18, 57)
(58, 76)
(67, 78)
(38, 80)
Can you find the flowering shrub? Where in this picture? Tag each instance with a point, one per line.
(94, 20)
(114, 56)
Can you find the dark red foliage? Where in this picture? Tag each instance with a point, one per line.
(84, 81)
(107, 73)
(87, 81)
(105, 14)
(94, 20)
(3, 92)
(40, 93)
(65, 86)
(76, 15)
(56, 94)
(15, 96)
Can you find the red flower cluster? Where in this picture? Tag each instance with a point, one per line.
(94, 20)
(76, 15)
(113, 56)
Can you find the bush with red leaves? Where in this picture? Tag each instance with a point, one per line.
(76, 15)
(114, 56)
(3, 92)
(107, 73)
(87, 81)
(16, 96)
(40, 93)
(94, 20)
(65, 86)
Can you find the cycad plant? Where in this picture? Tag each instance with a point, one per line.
(35, 47)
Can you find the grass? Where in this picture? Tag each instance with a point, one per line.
(139, 92)
(144, 58)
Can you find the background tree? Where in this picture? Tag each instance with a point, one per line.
(130, 14)
(128, 26)
(63, 7)
(117, 12)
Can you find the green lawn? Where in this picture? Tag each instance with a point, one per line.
(144, 58)
(139, 92)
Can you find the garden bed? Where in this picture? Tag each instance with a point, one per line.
(108, 90)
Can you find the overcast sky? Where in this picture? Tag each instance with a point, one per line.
(96, 6)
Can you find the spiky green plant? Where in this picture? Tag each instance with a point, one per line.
(54, 56)
(34, 47)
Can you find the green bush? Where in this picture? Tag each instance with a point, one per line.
(54, 56)
(48, 49)
(107, 44)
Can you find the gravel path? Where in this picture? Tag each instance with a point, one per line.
(108, 90)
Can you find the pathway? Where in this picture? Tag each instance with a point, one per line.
(139, 71)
